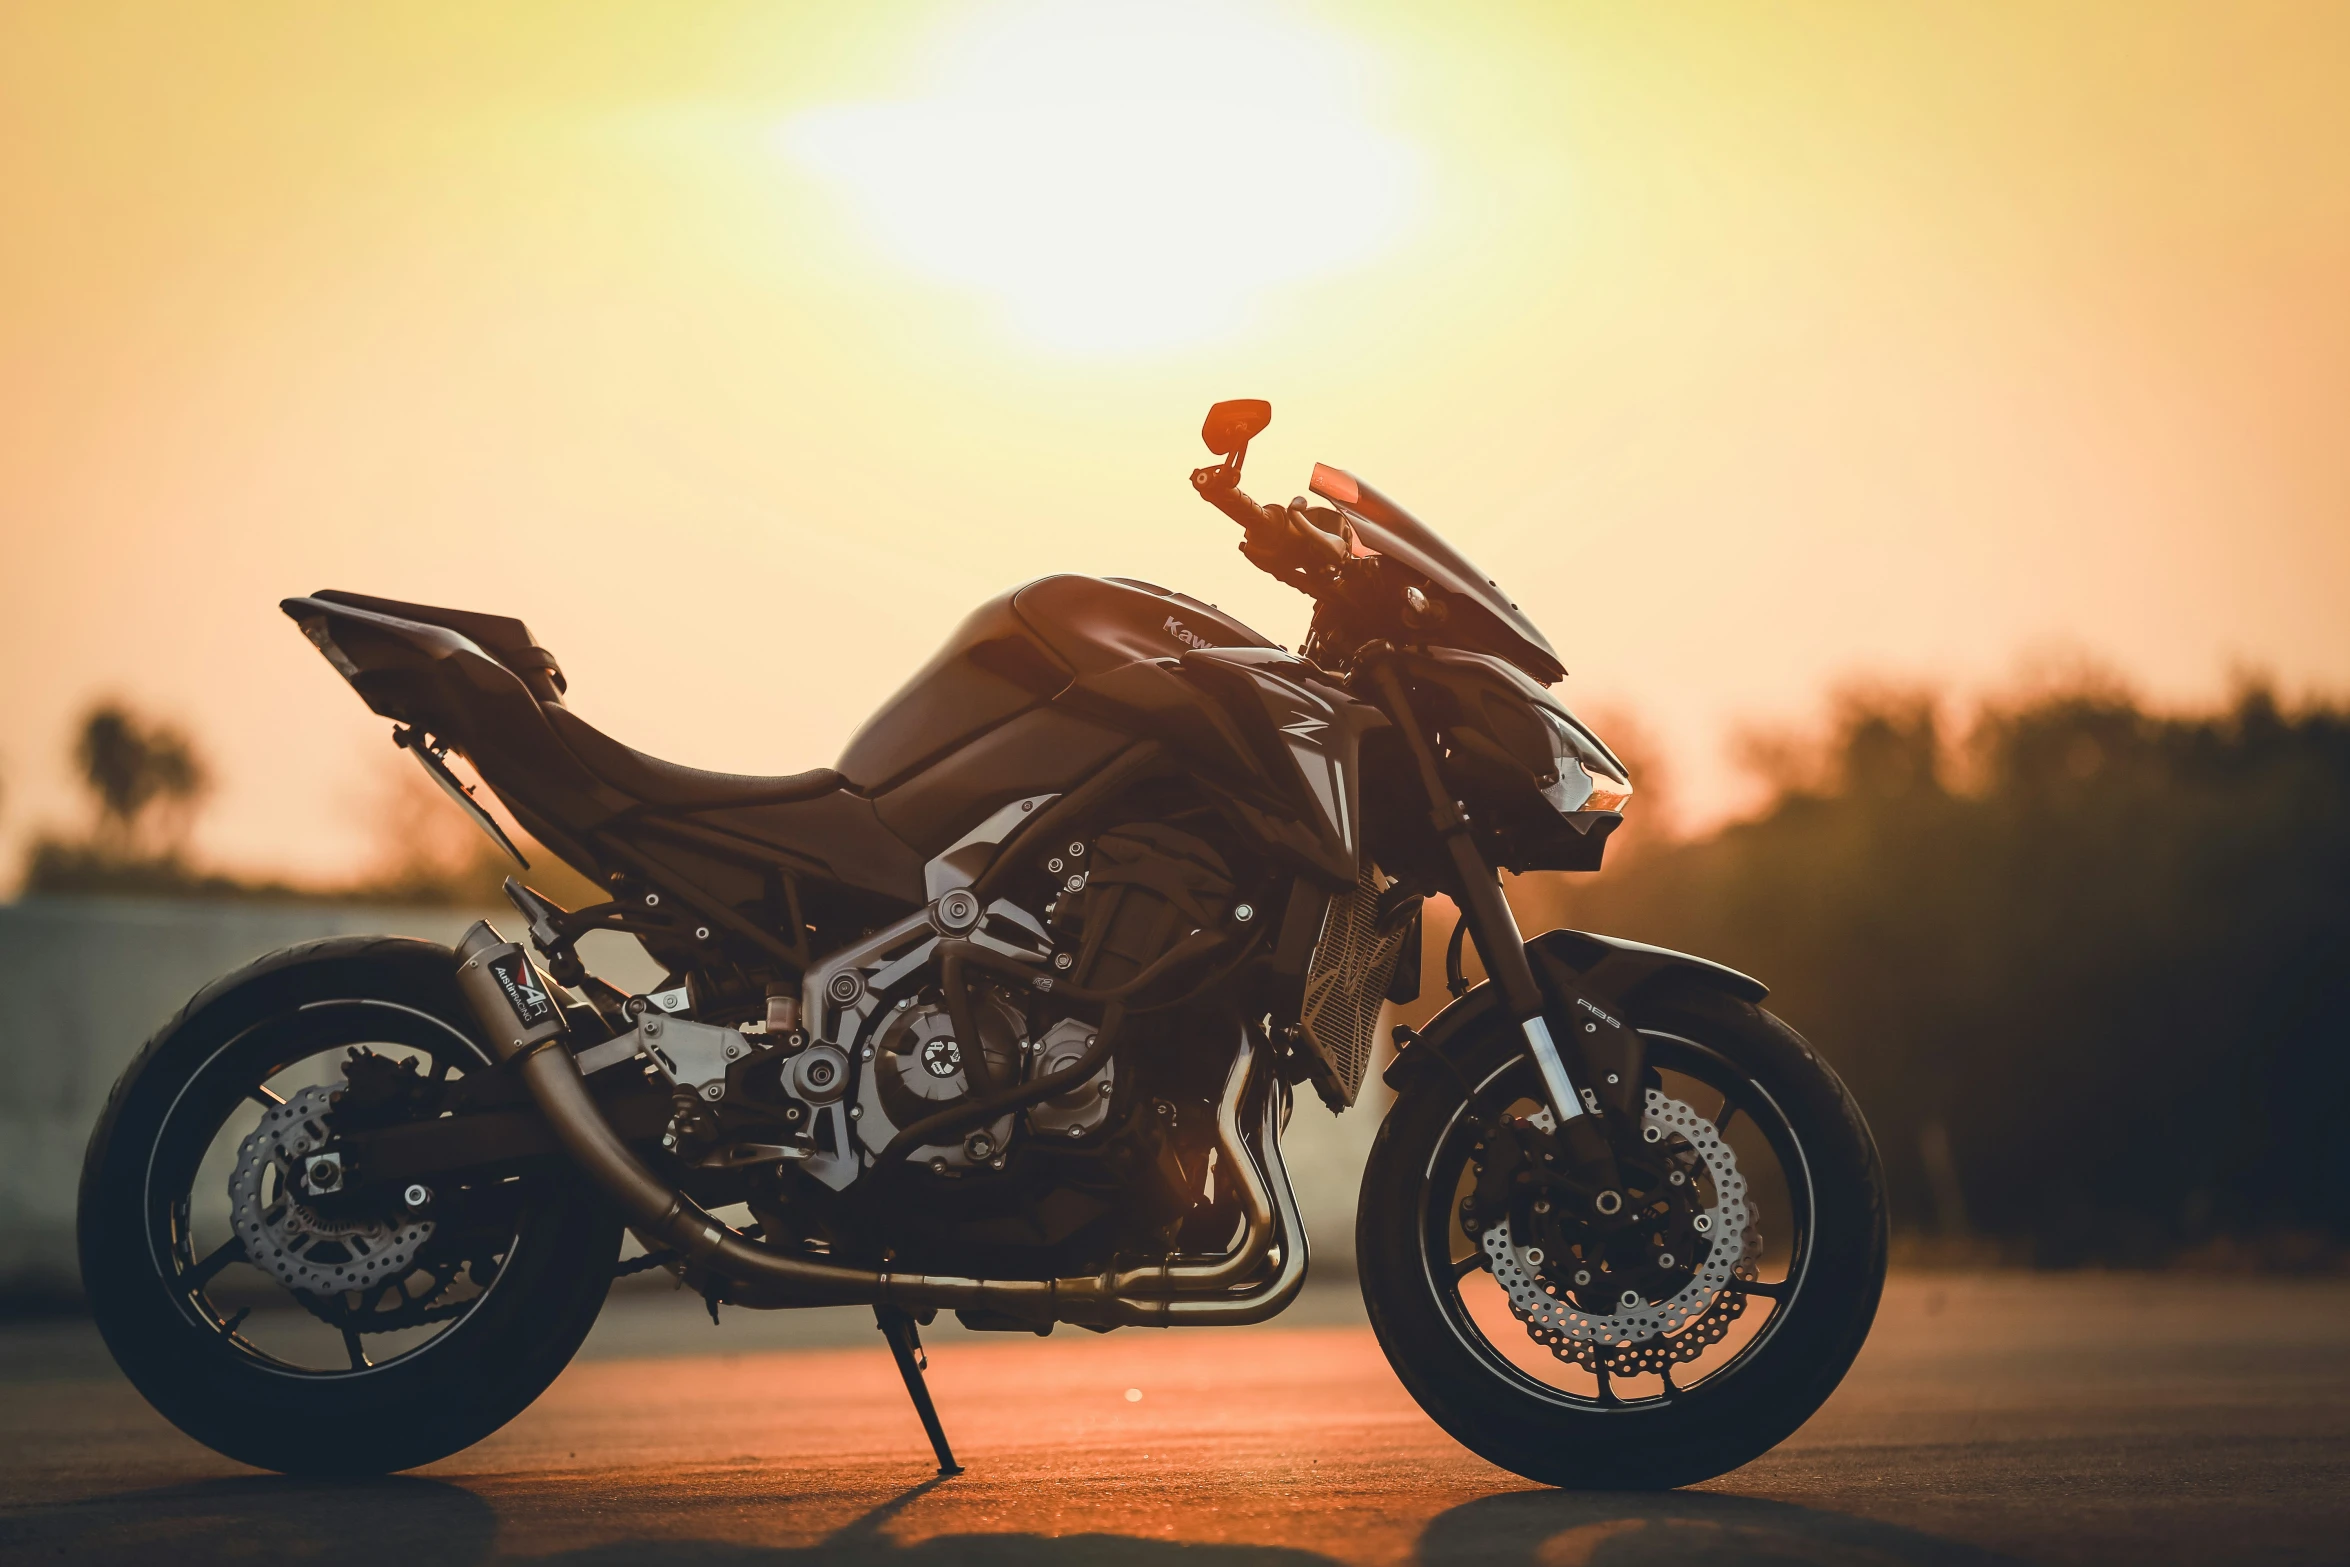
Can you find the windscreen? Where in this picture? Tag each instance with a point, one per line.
(1388, 528)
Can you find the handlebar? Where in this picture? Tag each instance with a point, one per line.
(1216, 486)
(1269, 528)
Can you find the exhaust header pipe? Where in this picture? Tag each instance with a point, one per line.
(499, 982)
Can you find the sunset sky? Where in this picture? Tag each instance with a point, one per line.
(741, 349)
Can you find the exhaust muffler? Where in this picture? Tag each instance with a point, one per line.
(507, 992)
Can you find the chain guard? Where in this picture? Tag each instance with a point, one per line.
(1647, 1338)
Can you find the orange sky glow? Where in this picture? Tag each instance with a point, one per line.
(741, 348)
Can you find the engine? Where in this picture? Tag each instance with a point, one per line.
(822, 1107)
(1097, 915)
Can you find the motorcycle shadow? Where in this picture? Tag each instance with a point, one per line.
(405, 1520)
(865, 1542)
(1514, 1529)
(1672, 1529)
(396, 1521)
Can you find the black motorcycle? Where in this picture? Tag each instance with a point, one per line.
(1003, 1016)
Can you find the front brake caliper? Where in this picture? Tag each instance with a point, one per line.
(1499, 1160)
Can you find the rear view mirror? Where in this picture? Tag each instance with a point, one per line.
(1231, 426)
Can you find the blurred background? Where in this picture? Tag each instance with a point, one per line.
(1920, 429)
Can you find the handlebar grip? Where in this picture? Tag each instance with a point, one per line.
(1231, 500)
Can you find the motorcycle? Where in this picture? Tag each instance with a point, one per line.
(1005, 1015)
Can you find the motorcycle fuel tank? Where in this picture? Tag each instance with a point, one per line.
(1018, 651)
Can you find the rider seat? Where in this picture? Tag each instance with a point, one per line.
(672, 787)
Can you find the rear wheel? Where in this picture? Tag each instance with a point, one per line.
(285, 1323)
(1609, 1355)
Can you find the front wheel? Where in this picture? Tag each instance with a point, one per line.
(1623, 1355)
(289, 1318)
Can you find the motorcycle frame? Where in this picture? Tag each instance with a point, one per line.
(1234, 723)
(1254, 1280)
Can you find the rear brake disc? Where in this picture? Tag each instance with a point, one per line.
(304, 1249)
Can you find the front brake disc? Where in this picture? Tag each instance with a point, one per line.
(1626, 1338)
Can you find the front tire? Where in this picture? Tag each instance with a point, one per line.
(1478, 1372)
(179, 1313)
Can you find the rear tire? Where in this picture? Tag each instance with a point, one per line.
(1756, 1396)
(480, 1370)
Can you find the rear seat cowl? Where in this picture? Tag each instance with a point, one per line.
(503, 637)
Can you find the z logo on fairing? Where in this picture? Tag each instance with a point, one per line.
(1303, 719)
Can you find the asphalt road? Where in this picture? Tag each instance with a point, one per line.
(2001, 1418)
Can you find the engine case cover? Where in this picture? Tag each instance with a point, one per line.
(1082, 1109)
(919, 1067)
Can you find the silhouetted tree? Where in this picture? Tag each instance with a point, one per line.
(146, 776)
(131, 764)
(144, 779)
(2098, 996)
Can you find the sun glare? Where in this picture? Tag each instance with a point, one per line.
(1122, 178)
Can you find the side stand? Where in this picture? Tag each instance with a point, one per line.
(905, 1342)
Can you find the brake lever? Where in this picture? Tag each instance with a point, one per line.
(1333, 551)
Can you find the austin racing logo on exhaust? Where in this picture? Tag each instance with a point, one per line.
(524, 994)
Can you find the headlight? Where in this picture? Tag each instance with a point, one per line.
(1589, 779)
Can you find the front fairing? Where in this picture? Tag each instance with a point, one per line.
(1543, 791)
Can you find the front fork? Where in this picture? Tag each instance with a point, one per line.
(1503, 947)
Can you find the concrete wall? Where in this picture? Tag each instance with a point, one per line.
(87, 981)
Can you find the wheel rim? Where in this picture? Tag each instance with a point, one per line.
(1476, 1309)
(199, 1258)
